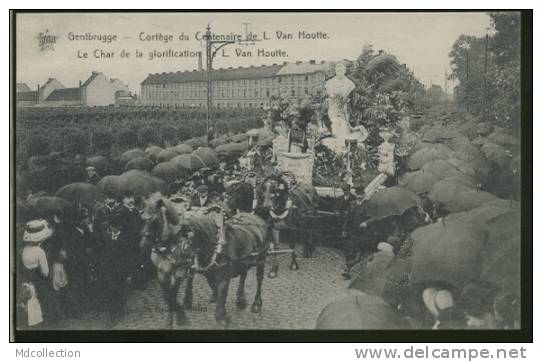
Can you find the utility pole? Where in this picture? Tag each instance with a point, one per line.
(466, 46)
(446, 89)
(484, 95)
(211, 47)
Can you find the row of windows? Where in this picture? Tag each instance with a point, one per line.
(203, 105)
(299, 79)
(233, 93)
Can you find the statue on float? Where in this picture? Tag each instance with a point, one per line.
(338, 89)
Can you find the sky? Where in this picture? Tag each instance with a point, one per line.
(421, 40)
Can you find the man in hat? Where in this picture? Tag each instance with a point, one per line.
(114, 267)
(131, 224)
(201, 199)
(92, 176)
(354, 230)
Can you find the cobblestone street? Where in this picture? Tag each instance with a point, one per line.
(293, 300)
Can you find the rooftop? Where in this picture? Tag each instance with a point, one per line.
(64, 94)
(27, 96)
(23, 87)
(252, 72)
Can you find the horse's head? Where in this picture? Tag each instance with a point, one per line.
(158, 216)
(274, 192)
(239, 196)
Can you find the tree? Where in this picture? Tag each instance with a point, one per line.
(102, 141)
(127, 138)
(168, 134)
(75, 142)
(37, 145)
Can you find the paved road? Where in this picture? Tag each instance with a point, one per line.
(293, 300)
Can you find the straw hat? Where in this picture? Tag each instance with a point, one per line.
(437, 300)
(37, 231)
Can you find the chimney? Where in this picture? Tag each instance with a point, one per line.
(323, 62)
(380, 52)
(312, 61)
(200, 62)
(80, 92)
(284, 63)
(297, 62)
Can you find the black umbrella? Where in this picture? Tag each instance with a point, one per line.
(80, 192)
(447, 252)
(360, 312)
(139, 163)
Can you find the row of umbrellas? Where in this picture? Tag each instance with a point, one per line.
(479, 241)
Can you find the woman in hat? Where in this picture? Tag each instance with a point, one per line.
(34, 269)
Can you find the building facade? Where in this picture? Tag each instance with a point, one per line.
(97, 90)
(242, 87)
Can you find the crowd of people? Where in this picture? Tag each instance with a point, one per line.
(75, 259)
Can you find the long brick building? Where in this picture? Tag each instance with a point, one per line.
(242, 87)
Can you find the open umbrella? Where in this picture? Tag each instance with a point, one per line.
(128, 155)
(196, 142)
(168, 171)
(484, 128)
(390, 201)
(266, 141)
(437, 134)
(425, 155)
(208, 155)
(447, 252)
(439, 167)
(139, 163)
(468, 200)
(465, 147)
(479, 216)
(469, 129)
(386, 276)
(437, 146)
(231, 149)
(167, 154)
(420, 181)
(502, 256)
(100, 163)
(47, 204)
(217, 142)
(445, 190)
(360, 312)
(464, 167)
(80, 192)
(110, 184)
(141, 183)
(240, 137)
(153, 151)
(495, 154)
(479, 141)
(189, 162)
(503, 139)
(183, 148)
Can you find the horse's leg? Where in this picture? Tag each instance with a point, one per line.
(260, 271)
(165, 286)
(274, 261)
(223, 282)
(178, 308)
(187, 301)
(241, 301)
(211, 280)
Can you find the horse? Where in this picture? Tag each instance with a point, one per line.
(214, 246)
(282, 203)
(166, 239)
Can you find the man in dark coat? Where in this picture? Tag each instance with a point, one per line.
(354, 231)
(201, 198)
(131, 227)
(114, 269)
